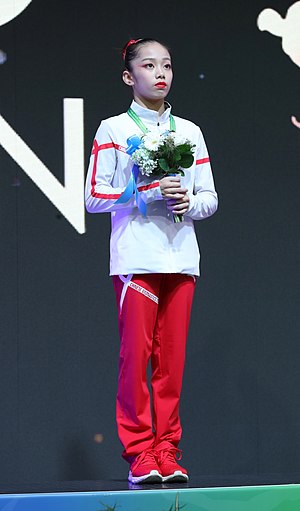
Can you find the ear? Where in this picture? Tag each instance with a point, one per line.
(127, 78)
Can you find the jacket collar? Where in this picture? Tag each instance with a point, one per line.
(151, 116)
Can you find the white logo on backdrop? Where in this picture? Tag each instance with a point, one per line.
(68, 199)
(288, 29)
(10, 9)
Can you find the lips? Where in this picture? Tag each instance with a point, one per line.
(160, 85)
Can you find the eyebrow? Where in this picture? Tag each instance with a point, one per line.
(151, 58)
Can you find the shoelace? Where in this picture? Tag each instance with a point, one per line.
(145, 457)
(173, 454)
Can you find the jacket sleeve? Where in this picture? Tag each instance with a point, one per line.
(204, 199)
(150, 190)
(100, 193)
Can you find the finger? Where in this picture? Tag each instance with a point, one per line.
(171, 203)
(176, 204)
(180, 208)
(173, 178)
(179, 204)
(181, 191)
(171, 184)
(174, 196)
(166, 181)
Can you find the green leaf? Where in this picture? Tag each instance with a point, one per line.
(186, 161)
(176, 155)
(162, 162)
(183, 148)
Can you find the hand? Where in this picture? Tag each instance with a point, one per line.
(179, 206)
(171, 188)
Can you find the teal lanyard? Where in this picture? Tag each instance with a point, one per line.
(142, 126)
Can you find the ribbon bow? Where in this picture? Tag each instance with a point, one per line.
(134, 142)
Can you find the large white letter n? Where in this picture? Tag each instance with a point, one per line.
(68, 199)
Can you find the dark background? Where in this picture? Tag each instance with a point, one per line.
(59, 342)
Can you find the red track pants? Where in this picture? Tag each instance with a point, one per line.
(154, 313)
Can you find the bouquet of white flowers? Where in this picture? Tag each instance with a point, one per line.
(164, 154)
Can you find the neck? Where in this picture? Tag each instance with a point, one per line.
(159, 105)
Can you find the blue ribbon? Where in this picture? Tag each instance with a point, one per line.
(134, 142)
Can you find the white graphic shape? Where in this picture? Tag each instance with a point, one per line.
(10, 9)
(295, 121)
(68, 199)
(287, 28)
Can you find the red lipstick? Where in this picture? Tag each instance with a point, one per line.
(160, 85)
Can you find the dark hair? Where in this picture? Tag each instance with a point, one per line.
(131, 50)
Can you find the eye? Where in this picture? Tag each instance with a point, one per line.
(149, 65)
(168, 66)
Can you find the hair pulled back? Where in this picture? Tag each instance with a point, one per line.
(131, 50)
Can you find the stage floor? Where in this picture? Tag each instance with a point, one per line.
(205, 493)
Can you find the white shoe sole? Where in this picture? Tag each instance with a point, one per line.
(176, 477)
(153, 477)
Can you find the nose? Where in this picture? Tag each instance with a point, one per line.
(160, 73)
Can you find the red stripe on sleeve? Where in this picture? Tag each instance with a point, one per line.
(95, 152)
(203, 160)
(109, 145)
(120, 148)
(148, 187)
(106, 195)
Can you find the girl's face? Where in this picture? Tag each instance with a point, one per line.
(151, 74)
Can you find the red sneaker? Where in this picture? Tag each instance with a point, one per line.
(170, 470)
(144, 468)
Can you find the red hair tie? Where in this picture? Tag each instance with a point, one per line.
(132, 41)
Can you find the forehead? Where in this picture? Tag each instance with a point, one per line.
(153, 51)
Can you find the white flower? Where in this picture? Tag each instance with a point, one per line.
(178, 139)
(151, 141)
(141, 158)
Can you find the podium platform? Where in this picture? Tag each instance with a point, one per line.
(235, 493)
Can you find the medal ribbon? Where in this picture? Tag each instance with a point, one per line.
(138, 121)
(134, 143)
(131, 189)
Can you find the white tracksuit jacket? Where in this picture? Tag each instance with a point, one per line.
(151, 244)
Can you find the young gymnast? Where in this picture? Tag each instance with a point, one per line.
(154, 261)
